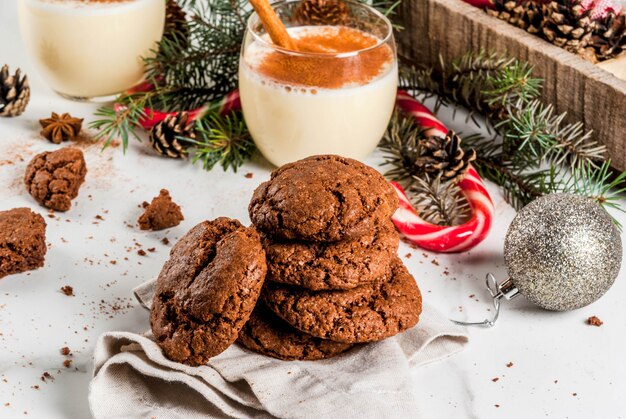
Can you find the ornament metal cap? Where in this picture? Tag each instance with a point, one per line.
(506, 289)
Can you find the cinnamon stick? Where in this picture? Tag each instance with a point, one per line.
(273, 25)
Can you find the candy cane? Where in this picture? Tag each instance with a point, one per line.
(434, 237)
(229, 103)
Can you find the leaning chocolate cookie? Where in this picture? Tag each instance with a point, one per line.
(322, 198)
(333, 266)
(268, 334)
(207, 290)
(364, 314)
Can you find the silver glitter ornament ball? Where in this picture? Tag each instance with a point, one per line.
(563, 251)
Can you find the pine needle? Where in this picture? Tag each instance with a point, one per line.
(223, 140)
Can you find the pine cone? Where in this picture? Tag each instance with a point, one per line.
(164, 135)
(176, 27)
(609, 37)
(14, 92)
(322, 12)
(567, 24)
(444, 156)
(526, 15)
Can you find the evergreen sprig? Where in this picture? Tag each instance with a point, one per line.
(535, 151)
(439, 202)
(223, 140)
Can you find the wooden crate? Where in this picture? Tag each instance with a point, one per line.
(585, 91)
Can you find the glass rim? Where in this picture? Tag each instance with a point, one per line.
(388, 26)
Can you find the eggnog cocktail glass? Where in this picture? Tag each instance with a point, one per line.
(334, 95)
(91, 48)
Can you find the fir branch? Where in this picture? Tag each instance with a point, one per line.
(437, 202)
(223, 140)
(532, 131)
(599, 184)
(118, 123)
(483, 83)
(401, 146)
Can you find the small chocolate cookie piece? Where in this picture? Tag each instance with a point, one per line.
(268, 334)
(207, 290)
(53, 178)
(333, 266)
(22, 241)
(161, 213)
(364, 314)
(322, 198)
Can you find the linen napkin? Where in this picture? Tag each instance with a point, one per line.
(132, 378)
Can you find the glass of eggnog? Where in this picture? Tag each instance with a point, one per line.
(87, 49)
(333, 94)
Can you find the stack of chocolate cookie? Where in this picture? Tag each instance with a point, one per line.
(333, 276)
(322, 276)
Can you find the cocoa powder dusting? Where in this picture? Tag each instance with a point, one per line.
(321, 68)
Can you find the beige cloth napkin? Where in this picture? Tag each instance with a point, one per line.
(132, 379)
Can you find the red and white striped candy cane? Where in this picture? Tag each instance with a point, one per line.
(434, 237)
(229, 103)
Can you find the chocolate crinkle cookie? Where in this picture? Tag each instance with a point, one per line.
(322, 198)
(54, 178)
(161, 213)
(22, 241)
(367, 313)
(333, 266)
(267, 334)
(207, 290)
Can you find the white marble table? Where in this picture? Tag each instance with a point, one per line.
(562, 368)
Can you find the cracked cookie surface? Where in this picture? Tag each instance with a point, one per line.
(332, 266)
(54, 178)
(268, 334)
(364, 314)
(322, 198)
(22, 241)
(207, 290)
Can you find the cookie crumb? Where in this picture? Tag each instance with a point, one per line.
(594, 321)
(495, 379)
(161, 213)
(574, 394)
(165, 241)
(152, 249)
(141, 252)
(509, 365)
(408, 255)
(249, 175)
(67, 290)
(67, 363)
(65, 351)
(496, 405)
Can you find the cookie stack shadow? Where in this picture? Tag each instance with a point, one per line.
(333, 275)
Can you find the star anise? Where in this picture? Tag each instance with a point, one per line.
(59, 128)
